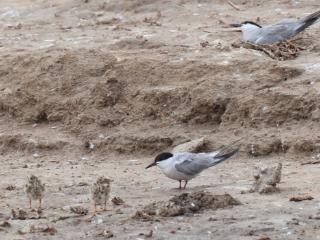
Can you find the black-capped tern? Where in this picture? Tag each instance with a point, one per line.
(185, 166)
(254, 33)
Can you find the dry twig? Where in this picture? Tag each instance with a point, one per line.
(234, 6)
(280, 51)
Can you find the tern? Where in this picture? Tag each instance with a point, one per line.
(256, 34)
(186, 165)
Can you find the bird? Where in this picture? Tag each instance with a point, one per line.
(186, 165)
(100, 192)
(35, 190)
(254, 33)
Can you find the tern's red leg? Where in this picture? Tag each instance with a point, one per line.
(105, 205)
(185, 184)
(95, 208)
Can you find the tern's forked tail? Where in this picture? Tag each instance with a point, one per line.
(225, 153)
(308, 21)
(220, 158)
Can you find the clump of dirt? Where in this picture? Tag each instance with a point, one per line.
(300, 198)
(266, 179)
(153, 21)
(79, 210)
(106, 234)
(10, 187)
(51, 230)
(19, 214)
(186, 203)
(117, 201)
(40, 228)
(4, 224)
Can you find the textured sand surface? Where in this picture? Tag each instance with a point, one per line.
(97, 88)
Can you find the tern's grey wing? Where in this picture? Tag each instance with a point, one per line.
(278, 32)
(195, 164)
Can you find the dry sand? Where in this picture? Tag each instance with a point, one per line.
(96, 88)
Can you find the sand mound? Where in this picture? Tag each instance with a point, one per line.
(93, 93)
(150, 85)
(186, 203)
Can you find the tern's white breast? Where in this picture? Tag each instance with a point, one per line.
(168, 168)
(250, 32)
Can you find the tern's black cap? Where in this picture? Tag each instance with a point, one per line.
(163, 156)
(160, 157)
(250, 22)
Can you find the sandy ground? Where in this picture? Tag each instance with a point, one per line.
(133, 78)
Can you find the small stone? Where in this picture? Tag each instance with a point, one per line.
(264, 238)
(5, 224)
(117, 201)
(81, 184)
(97, 221)
(107, 21)
(107, 234)
(15, 26)
(204, 44)
(147, 235)
(300, 198)
(7, 91)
